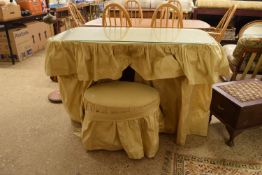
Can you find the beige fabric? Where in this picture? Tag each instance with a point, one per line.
(229, 49)
(253, 30)
(121, 94)
(183, 66)
(195, 61)
(252, 5)
(185, 107)
(118, 117)
(71, 90)
(214, 3)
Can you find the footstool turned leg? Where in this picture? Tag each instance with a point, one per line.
(232, 133)
(230, 142)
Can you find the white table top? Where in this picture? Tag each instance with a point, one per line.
(135, 35)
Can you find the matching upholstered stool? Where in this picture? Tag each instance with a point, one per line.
(237, 104)
(121, 115)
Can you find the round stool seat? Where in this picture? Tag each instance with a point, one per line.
(121, 94)
(121, 115)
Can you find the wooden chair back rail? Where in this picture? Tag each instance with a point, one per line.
(223, 23)
(253, 54)
(134, 9)
(249, 65)
(76, 15)
(177, 4)
(242, 30)
(165, 11)
(110, 13)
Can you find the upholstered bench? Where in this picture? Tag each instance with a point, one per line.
(121, 115)
(218, 7)
(238, 105)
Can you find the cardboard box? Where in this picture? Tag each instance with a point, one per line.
(39, 33)
(34, 6)
(46, 32)
(9, 12)
(34, 29)
(20, 42)
(4, 49)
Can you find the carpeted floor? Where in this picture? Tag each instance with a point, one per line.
(36, 137)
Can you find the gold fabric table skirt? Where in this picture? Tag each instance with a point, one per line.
(182, 73)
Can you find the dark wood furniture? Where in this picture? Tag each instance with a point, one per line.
(238, 105)
(222, 11)
(89, 10)
(241, 16)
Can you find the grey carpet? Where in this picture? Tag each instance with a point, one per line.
(36, 136)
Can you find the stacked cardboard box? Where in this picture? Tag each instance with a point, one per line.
(39, 33)
(10, 11)
(4, 50)
(21, 44)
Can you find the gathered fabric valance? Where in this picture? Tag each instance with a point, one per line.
(201, 64)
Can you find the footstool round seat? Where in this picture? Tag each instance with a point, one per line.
(121, 115)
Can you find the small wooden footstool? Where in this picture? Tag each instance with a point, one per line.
(238, 105)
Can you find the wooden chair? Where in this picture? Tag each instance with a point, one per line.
(247, 58)
(167, 13)
(176, 3)
(76, 15)
(219, 31)
(134, 9)
(248, 25)
(111, 19)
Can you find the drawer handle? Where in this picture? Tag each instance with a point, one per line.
(220, 108)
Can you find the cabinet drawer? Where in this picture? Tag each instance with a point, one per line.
(224, 109)
(250, 116)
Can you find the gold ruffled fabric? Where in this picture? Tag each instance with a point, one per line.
(185, 107)
(151, 61)
(132, 125)
(182, 73)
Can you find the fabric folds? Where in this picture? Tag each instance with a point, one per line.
(96, 61)
(132, 127)
(182, 74)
